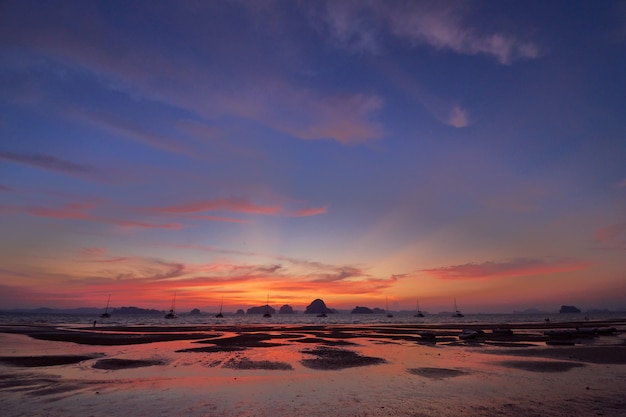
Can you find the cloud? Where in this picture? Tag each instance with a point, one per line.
(346, 118)
(81, 211)
(92, 251)
(48, 162)
(352, 26)
(458, 117)
(313, 211)
(130, 130)
(234, 205)
(84, 43)
(361, 27)
(228, 204)
(511, 268)
(612, 237)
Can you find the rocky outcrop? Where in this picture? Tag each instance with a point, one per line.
(135, 310)
(261, 310)
(318, 306)
(286, 309)
(361, 310)
(569, 309)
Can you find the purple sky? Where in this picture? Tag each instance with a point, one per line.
(348, 150)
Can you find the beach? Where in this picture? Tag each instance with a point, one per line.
(522, 369)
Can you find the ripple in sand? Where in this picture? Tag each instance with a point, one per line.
(115, 364)
(329, 359)
(542, 366)
(436, 373)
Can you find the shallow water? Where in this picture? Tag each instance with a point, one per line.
(247, 319)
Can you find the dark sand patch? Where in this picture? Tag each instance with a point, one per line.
(321, 341)
(614, 355)
(91, 337)
(541, 366)
(436, 373)
(245, 340)
(36, 361)
(115, 364)
(214, 349)
(246, 363)
(331, 359)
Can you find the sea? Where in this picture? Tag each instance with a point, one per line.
(205, 319)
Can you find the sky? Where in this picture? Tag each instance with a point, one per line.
(353, 151)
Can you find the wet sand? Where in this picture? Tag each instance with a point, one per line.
(321, 370)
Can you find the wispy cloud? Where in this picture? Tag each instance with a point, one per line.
(313, 211)
(48, 162)
(304, 114)
(96, 252)
(231, 205)
(512, 268)
(612, 237)
(82, 211)
(129, 130)
(361, 27)
(458, 117)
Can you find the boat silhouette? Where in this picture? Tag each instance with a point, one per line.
(106, 314)
(172, 314)
(220, 315)
(457, 313)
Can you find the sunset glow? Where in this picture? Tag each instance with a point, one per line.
(344, 150)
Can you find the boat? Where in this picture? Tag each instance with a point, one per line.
(171, 314)
(106, 314)
(267, 307)
(220, 315)
(322, 314)
(419, 312)
(457, 313)
(387, 308)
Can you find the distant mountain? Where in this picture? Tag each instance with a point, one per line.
(261, 310)
(361, 310)
(318, 306)
(569, 309)
(134, 310)
(286, 309)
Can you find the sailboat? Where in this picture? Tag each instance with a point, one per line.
(220, 315)
(172, 314)
(419, 312)
(457, 313)
(387, 308)
(106, 314)
(267, 307)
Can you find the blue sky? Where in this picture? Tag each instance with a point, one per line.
(348, 150)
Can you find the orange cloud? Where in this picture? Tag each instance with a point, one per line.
(514, 267)
(231, 204)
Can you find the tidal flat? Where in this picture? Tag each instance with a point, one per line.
(314, 370)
